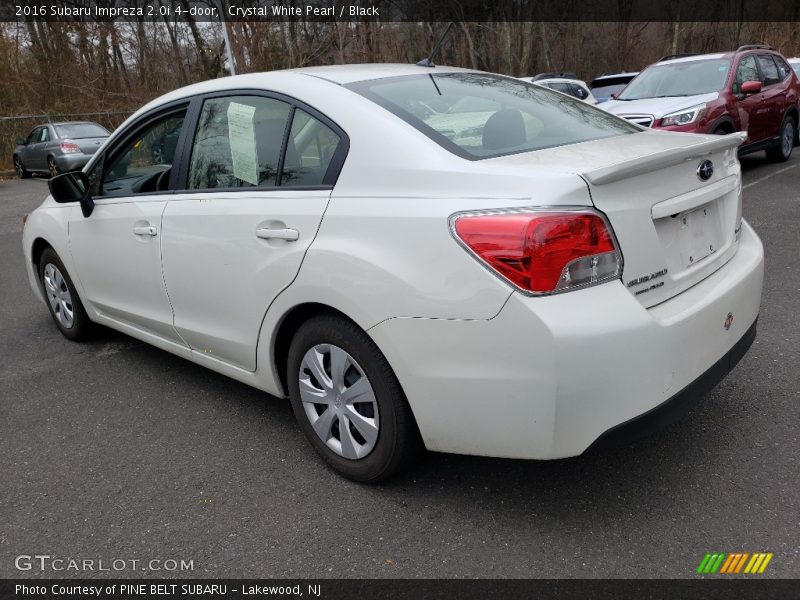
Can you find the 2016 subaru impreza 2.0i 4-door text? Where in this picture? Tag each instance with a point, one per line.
(416, 256)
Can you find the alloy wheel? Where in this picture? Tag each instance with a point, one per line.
(58, 295)
(18, 166)
(51, 163)
(339, 401)
(787, 141)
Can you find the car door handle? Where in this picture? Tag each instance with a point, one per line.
(290, 235)
(145, 230)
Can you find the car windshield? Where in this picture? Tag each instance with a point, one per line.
(477, 115)
(684, 78)
(605, 91)
(77, 131)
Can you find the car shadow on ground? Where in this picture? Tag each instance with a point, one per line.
(650, 476)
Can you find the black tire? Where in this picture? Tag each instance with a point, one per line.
(80, 328)
(19, 167)
(398, 441)
(721, 131)
(52, 166)
(781, 151)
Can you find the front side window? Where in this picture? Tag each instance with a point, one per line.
(144, 162)
(477, 115)
(682, 78)
(238, 143)
(33, 136)
(309, 151)
(747, 71)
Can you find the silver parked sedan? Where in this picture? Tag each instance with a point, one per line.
(58, 147)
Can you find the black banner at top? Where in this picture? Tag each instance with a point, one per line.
(402, 10)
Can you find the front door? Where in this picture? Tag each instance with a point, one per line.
(117, 249)
(752, 109)
(238, 234)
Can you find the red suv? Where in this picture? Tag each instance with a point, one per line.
(753, 89)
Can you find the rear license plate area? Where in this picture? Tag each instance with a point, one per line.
(698, 233)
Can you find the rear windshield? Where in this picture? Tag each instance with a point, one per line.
(476, 115)
(77, 131)
(685, 78)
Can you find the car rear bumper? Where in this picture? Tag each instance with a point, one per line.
(71, 162)
(680, 404)
(549, 377)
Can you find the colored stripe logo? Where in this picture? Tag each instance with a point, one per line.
(734, 563)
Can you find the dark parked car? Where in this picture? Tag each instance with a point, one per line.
(752, 89)
(58, 147)
(604, 87)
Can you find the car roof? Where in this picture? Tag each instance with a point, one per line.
(344, 74)
(74, 123)
(694, 57)
(630, 74)
(559, 80)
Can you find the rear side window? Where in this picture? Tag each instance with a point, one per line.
(477, 115)
(309, 151)
(769, 71)
(783, 68)
(238, 142)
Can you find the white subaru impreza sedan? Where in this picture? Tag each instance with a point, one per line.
(415, 256)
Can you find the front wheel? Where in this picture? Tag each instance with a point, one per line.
(62, 298)
(348, 401)
(19, 167)
(783, 149)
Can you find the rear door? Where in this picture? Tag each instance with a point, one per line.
(258, 177)
(774, 93)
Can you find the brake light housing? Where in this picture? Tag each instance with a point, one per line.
(542, 251)
(70, 147)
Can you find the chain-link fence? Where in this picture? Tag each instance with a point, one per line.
(14, 128)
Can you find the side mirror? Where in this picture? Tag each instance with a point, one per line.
(72, 187)
(22, 142)
(751, 87)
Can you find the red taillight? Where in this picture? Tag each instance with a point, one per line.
(70, 147)
(543, 252)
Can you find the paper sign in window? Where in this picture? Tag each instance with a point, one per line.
(242, 138)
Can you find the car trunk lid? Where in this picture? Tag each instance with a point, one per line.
(674, 228)
(88, 145)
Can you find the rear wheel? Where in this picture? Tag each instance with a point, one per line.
(52, 166)
(22, 172)
(62, 298)
(783, 149)
(348, 401)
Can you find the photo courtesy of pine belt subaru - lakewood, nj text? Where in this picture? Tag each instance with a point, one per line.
(418, 257)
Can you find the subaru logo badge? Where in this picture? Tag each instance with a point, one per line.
(705, 170)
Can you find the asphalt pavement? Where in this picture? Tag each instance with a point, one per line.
(115, 450)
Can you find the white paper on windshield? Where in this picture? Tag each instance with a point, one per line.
(242, 137)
